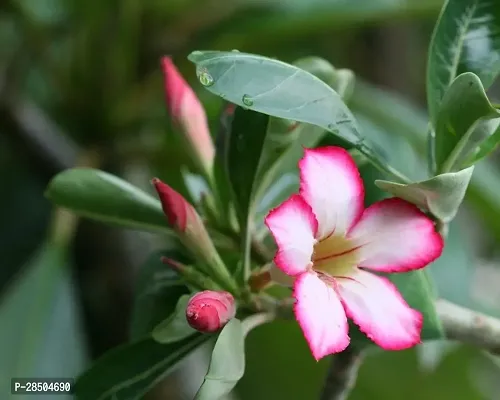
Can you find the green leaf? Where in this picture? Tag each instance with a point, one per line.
(463, 105)
(319, 67)
(175, 327)
(466, 39)
(275, 88)
(245, 146)
(157, 292)
(227, 365)
(128, 372)
(286, 139)
(418, 291)
(41, 334)
(441, 195)
(98, 195)
(489, 145)
(221, 187)
(456, 261)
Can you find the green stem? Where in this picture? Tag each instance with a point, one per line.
(431, 151)
(382, 166)
(450, 162)
(255, 320)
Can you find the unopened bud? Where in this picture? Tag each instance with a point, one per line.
(191, 275)
(192, 232)
(188, 115)
(178, 211)
(185, 220)
(209, 311)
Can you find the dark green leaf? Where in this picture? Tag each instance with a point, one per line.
(128, 372)
(466, 39)
(227, 365)
(98, 195)
(275, 88)
(441, 195)
(221, 185)
(244, 151)
(41, 332)
(463, 105)
(175, 327)
(156, 295)
(246, 141)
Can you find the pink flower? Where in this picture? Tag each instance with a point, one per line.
(209, 311)
(327, 241)
(189, 115)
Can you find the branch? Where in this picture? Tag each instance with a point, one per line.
(469, 326)
(341, 376)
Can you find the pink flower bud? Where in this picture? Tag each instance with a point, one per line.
(209, 311)
(175, 207)
(191, 231)
(189, 115)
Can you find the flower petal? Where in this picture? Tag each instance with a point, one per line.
(294, 227)
(395, 236)
(376, 306)
(320, 315)
(330, 183)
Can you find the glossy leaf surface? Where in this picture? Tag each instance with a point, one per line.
(98, 195)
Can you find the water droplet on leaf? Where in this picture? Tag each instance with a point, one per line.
(247, 100)
(204, 76)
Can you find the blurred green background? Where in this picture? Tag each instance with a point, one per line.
(80, 82)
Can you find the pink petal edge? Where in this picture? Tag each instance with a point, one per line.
(376, 306)
(321, 316)
(331, 184)
(395, 236)
(293, 227)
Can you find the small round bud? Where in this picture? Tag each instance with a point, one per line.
(209, 311)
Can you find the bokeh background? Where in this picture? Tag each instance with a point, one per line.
(80, 83)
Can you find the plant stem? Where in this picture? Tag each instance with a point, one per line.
(468, 326)
(342, 373)
(255, 320)
(375, 160)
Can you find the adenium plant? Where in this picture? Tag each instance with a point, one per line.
(318, 254)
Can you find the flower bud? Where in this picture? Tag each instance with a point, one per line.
(178, 211)
(189, 116)
(209, 311)
(185, 220)
(192, 232)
